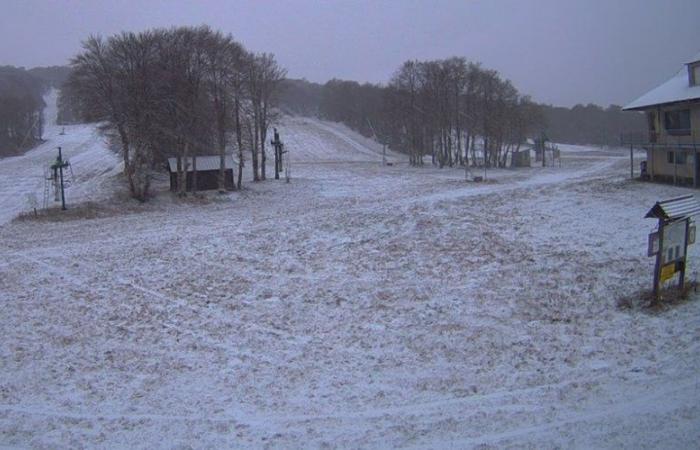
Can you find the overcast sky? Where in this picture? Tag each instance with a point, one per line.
(558, 51)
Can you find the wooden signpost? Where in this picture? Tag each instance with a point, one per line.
(669, 243)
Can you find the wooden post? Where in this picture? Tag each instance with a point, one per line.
(631, 162)
(675, 169)
(681, 279)
(695, 168)
(659, 261)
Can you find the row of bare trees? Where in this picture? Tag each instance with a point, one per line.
(176, 92)
(449, 108)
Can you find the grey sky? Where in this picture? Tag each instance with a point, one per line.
(559, 51)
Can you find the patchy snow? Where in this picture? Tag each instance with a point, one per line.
(94, 166)
(359, 305)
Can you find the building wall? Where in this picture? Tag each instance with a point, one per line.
(206, 180)
(657, 156)
(664, 137)
(658, 165)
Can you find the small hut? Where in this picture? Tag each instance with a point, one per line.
(520, 158)
(207, 172)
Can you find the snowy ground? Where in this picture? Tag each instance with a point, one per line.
(358, 306)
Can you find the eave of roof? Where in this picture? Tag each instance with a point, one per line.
(694, 59)
(675, 208)
(674, 90)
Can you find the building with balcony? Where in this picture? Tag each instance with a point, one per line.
(672, 139)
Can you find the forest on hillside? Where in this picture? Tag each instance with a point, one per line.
(590, 124)
(21, 106)
(440, 109)
(357, 105)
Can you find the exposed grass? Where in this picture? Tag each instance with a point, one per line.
(668, 297)
(82, 211)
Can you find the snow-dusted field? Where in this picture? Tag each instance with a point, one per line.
(357, 306)
(82, 145)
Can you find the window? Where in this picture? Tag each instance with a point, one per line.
(677, 122)
(678, 158)
(695, 75)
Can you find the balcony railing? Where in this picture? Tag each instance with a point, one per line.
(680, 138)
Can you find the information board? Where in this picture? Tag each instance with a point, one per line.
(673, 242)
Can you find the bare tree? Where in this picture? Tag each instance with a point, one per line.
(178, 90)
(264, 81)
(225, 65)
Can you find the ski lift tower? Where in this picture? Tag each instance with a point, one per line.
(57, 176)
(279, 151)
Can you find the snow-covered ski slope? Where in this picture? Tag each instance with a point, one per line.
(359, 306)
(93, 165)
(312, 141)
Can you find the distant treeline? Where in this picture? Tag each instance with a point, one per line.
(590, 124)
(357, 105)
(53, 76)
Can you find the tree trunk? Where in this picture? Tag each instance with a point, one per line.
(263, 160)
(256, 136)
(183, 186)
(239, 141)
(194, 174)
(221, 140)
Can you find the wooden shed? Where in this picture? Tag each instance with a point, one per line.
(520, 158)
(207, 172)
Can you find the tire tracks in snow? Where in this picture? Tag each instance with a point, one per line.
(645, 403)
(536, 182)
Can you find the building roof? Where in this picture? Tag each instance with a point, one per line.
(694, 59)
(203, 163)
(675, 208)
(677, 89)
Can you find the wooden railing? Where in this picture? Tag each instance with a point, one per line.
(683, 138)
